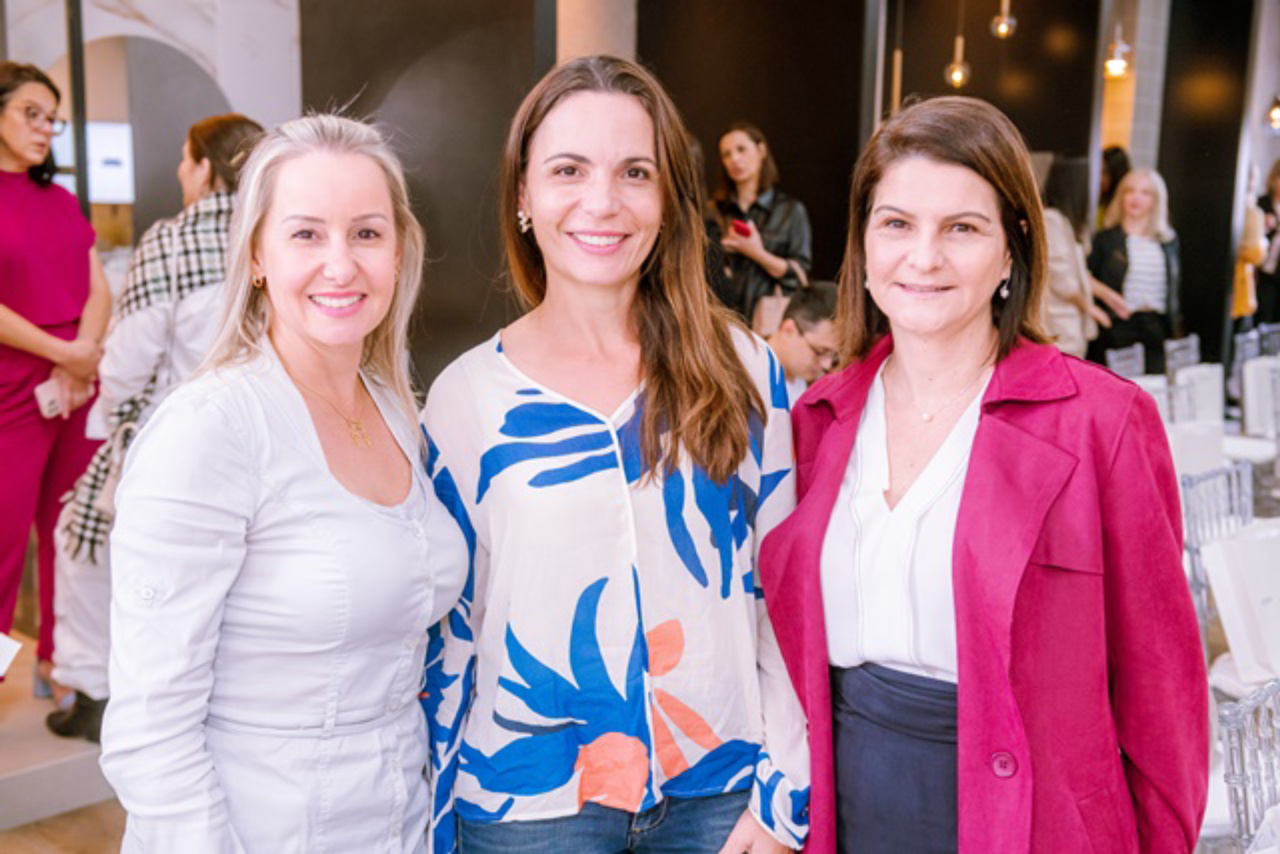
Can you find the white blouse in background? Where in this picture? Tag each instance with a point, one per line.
(269, 630)
(886, 574)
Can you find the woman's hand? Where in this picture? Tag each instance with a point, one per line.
(751, 244)
(79, 358)
(1103, 319)
(748, 837)
(1111, 298)
(73, 392)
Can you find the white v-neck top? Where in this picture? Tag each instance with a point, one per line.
(886, 574)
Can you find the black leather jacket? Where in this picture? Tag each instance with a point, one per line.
(784, 229)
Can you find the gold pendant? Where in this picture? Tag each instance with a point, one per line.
(358, 434)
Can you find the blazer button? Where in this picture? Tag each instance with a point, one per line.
(1003, 764)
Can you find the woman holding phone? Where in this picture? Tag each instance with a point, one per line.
(764, 231)
(54, 307)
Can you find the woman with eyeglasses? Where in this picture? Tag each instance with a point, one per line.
(54, 306)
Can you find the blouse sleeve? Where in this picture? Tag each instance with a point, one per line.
(449, 679)
(183, 510)
(780, 791)
(1153, 640)
(142, 329)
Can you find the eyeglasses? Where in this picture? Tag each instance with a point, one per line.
(825, 355)
(37, 117)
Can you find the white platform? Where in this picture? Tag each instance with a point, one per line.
(40, 774)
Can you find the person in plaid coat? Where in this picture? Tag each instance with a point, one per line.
(164, 322)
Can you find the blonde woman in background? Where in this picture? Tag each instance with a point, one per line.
(278, 551)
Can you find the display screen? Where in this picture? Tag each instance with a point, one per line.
(110, 162)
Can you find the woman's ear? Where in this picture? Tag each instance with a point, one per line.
(204, 171)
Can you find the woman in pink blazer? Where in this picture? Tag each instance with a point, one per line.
(980, 595)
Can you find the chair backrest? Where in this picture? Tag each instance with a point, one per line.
(1214, 503)
(1241, 568)
(1181, 353)
(1127, 361)
(1250, 735)
(1269, 335)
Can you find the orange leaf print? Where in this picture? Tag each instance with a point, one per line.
(666, 647)
(689, 721)
(614, 770)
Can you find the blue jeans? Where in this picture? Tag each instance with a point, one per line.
(674, 826)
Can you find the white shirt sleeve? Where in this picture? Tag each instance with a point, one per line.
(135, 346)
(184, 507)
(780, 793)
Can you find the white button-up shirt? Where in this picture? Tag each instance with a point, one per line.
(269, 630)
(886, 574)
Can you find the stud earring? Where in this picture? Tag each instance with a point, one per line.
(524, 221)
(258, 281)
(1004, 289)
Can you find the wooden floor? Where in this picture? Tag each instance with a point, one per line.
(94, 829)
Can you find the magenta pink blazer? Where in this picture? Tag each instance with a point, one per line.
(1083, 701)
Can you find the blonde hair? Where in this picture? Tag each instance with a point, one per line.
(248, 311)
(695, 382)
(1158, 224)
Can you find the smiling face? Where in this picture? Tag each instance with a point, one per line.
(327, 247)
(26, 127)
(591, 188)
(742, 156)
(934, 260)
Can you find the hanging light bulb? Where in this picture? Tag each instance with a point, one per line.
(957, 72)
(1116, 65)
(1273, 114)
(1004, 25)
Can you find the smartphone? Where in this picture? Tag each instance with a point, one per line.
(741, 227)
(47, 398)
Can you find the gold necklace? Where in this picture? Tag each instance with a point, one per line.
(355, 426)
(926, 417)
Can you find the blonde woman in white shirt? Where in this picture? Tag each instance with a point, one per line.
(611, 682)
(278, 552)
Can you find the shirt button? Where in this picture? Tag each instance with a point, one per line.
(417, 530)
(146, 594)
(1003, 764)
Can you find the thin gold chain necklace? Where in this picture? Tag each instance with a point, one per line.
(355, 426)
(926, 417)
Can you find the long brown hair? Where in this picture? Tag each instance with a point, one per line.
(225, 141)
(695, 383)
(970, 133)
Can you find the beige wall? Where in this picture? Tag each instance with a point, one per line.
(585, 27)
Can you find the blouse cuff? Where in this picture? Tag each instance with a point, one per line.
(781, 808)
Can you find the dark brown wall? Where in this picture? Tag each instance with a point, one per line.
(1204, 98)
(796, 75)
(445, 77)
(1042, 77)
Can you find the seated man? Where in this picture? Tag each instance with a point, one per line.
(805, 342)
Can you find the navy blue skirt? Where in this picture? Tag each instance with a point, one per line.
(895, 752)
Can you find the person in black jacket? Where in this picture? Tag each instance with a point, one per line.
(765, 232)
(1137, 255)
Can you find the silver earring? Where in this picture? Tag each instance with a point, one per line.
(524, 221)
(1004, 289)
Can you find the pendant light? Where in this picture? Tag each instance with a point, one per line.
(1004, 25)
(1117, 65)
(1273, 114)
(957, 73)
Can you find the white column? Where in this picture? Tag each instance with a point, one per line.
(585, 27)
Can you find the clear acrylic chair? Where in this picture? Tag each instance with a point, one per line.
(1214, 503)
(1181, 353)
(1250, 736)
(1127, 361)
(1269, 338)
(1248, 345)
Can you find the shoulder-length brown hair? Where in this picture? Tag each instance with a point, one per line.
(726, 190)
(13, 76)
(695, 384)
(970, 133)
(225, 141)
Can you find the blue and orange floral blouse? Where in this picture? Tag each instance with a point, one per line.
(612, 644)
